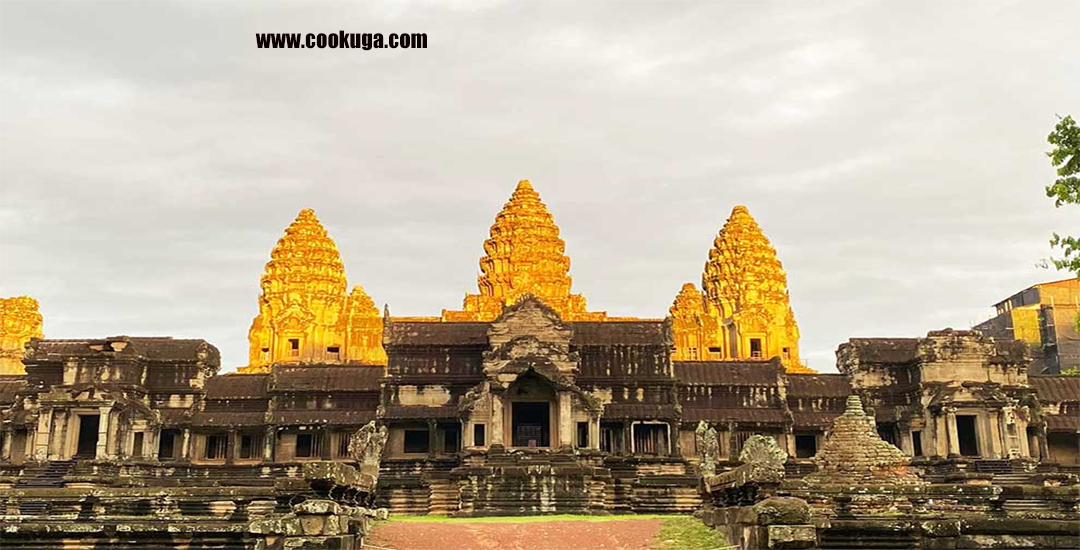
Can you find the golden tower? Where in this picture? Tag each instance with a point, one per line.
(19, 322)
(305, 315)
(524, 255)
(745, 291)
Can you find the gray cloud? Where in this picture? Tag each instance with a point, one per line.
(150, 155)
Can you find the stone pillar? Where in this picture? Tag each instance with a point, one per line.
(566, 428)
(5, 443)
(496, 435)
(998, 434)
(433, 438)
(105, 425)
(269, 442)
(674, 443)
(628, 438)
(230, 447)
(185, 445)
(951, 433)
(41, 436)
(594, 432)
(940, 445)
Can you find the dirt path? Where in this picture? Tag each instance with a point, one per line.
(623, 534)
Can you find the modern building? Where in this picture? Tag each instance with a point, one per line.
(1046, 317)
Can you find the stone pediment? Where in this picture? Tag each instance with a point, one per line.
(529, 316)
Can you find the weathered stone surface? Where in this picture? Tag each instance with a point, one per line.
(792, 536)
(782, 511)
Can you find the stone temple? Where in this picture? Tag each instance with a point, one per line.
(523, 401)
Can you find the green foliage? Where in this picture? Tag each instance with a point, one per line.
(687, 533)
(1075, 371)
(1065, 157)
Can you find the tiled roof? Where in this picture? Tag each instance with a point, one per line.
(818, 385)
(745, 415)
(732, 373)
(420, 412)
(414, 333)
(639, 411)
(326, 378)
(606, 333)
(237, 386)
(1056, 389)
(329, 417)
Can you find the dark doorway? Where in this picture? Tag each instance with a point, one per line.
(965, 433)
(532, 424)
(755, 348)
(88, 435)
(805, 445)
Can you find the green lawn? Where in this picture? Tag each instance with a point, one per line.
(526, 519)
(688, 533)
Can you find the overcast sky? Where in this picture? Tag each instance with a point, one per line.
(151, 155)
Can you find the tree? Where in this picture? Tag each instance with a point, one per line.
(1065, 157)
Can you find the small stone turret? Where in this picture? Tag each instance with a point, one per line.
(19, 322)
(855, 454)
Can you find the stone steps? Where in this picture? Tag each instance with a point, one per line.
(49, 474)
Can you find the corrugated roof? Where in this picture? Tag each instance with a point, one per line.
(396, 412)
(228, 419)
(818, 385)
(746, 415)
(814, 419)
(729, 373)
(158, 348)
(1056, 389)
(639, 411)
(607, 333)
(1063, 423)
(237, 386)
(8, 386)
(326, 378)
(329, 417)
(412, 333)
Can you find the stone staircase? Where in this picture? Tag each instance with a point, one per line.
(1028, 506)
(46, 474)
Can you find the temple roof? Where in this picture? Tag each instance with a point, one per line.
(728, 373)
(305, 259)
(148, 348)
(743, 269)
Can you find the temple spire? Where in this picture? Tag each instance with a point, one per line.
(305, 315)
(524, 254)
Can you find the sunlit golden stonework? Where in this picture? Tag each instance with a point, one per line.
(305, 315)
(19, 322)
(524, 255)
(744, 312)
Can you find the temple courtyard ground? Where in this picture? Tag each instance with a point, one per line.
(631, 532)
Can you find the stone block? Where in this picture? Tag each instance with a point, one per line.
(782, 511)
(792, 536)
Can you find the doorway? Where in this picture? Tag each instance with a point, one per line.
(965, 434)
(88, 435)
(531, 424)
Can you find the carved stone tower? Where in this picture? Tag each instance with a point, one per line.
(524, 255)
(19, 322)
(745, 311)
(305, 315)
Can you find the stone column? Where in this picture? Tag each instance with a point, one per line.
(594, 432)
(185, 445)
(433, 438)
(674, 443)
(628, 438)
(940, 445)
(566, 430)
(951, 433)
(269, 442)
(105, 425)
(5, 443)
(496, 435)
(230, 447)
(998, 434)
(41, 436)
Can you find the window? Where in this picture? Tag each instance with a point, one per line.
(308, 445)
(916, 443)
(714, 350)
(805, 445)
(167, 444)
(251, 446)
(341, 449)
(887, 431)
(755, 348)
(137, 445)
(611, 437)
(583, 435)
(215, 446)
(451, 439)
(692, 352)
(416, 441)
(650, 439)
(294, 347)
(478, 435)
(333, 352)
(786, 352)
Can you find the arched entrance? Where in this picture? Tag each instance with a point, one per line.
(532, 412)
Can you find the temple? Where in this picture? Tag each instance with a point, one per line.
(305, 314)
(744, 312)
(522, 402)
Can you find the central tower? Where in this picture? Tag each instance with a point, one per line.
(523, 255)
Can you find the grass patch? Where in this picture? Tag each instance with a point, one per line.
(523, 519)
(687, 533)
